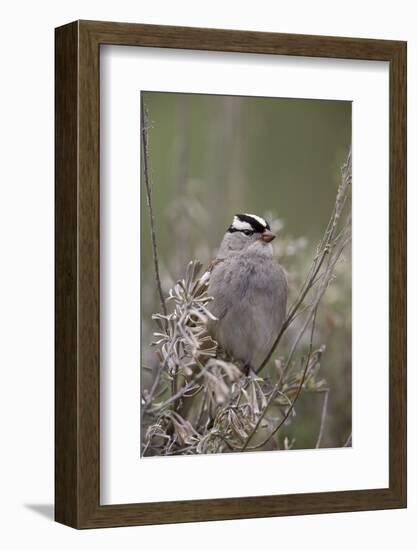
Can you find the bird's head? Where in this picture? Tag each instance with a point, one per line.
(248, 230)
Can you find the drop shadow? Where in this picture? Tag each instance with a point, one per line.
(45, 510)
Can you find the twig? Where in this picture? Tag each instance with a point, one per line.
(229, 417)
(348, 441)
(148, 400)
(148, 186)
(261, 416)
(324, 251)
(322, 418)
(191, 385)
(287, 413)
(322, 289)
(203, 406)
(155, 384)
(325, 280)
(303, 377)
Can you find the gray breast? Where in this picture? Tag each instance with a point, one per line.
(250, 299)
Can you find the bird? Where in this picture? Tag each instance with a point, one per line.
(249, 292)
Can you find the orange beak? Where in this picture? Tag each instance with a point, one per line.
(267, 236)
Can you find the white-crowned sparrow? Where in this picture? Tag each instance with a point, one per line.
(249, 290)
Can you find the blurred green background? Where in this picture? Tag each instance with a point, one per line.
(213, 156)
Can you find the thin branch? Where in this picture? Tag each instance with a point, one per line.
(228, 426)
(287, 413)
(148, 186)
(202, 409)
(323, 251)
(322, 418)
(324, 283)
(300, 386)
(348, 441)
(148, 400)
(190, 386)
(261, 416)
(145, 155)
(331, 262)
(161, 367)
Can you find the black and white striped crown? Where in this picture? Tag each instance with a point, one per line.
(248, 223)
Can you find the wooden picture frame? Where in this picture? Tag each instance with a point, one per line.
(77, 374)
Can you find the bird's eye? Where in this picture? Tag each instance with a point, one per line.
(248, 232)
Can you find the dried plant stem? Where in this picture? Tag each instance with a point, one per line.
(148, 187)
(348, 441)
(286, 415)
(322, 418)
(157, 379)
(190, 386)
(328, 242)
(274, 393)
(202, 409)
(232, 408)
(291, 407)
(150, 397)
(331, 257)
